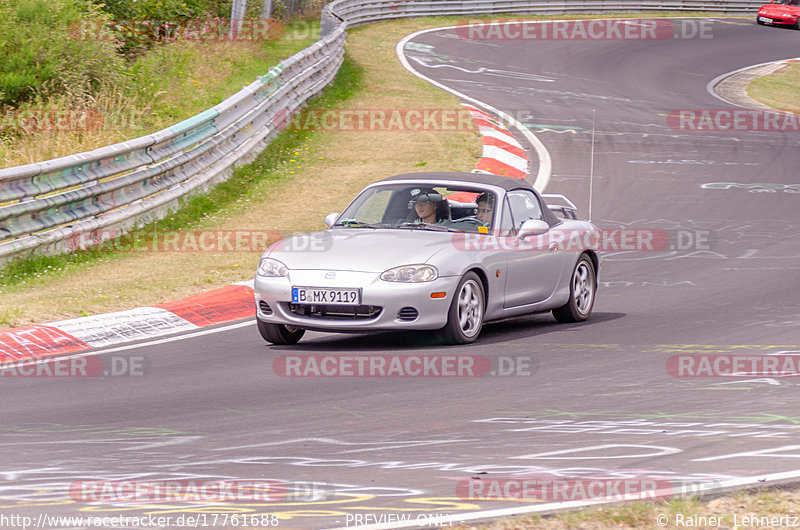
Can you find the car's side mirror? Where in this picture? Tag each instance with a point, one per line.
(330, 219)
(533, 227)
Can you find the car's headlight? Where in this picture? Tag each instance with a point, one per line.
(271, 268)
(411, 274)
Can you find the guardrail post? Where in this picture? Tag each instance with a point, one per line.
(266, 11)
(238, 10)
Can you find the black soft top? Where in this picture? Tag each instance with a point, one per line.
(507, 183)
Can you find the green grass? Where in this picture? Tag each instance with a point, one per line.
(780, 90)
(168, 83)
(169, 80)
(8, 317)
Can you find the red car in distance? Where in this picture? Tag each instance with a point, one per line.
(780, 12)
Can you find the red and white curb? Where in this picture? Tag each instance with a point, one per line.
(502, 153)
(226, 304)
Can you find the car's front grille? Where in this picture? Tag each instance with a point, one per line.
(335, 312)
(407, 314)
(265, 308)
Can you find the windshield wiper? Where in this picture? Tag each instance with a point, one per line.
(354, 223)
(426, 226)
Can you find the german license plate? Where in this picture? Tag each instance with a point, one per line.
(765, 20)
(322, 295)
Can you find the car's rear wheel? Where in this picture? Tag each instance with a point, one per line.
(465, 317)
(582, 289)
(279, 333)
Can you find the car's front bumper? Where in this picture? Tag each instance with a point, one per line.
(779, 20)
(393, 299)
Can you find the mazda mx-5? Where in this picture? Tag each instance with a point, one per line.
(780, 12)
(444, 252)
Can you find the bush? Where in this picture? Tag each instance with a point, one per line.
(140, 24)
(144, 22)
(153, 9)
(41, 54)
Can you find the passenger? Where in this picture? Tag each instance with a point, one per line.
(485, 210)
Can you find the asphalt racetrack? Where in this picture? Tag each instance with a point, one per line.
(601, 399)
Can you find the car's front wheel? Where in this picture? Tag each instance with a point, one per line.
(582, 289)
(279, 333)
(465, 317)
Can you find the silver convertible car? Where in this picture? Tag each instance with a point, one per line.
(431, 251)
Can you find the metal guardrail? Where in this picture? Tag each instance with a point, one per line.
(107, 191)
(357, 12)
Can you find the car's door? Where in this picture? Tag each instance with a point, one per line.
(536, 263)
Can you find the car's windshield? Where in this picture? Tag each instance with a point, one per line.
(422, 206)
(788, 2)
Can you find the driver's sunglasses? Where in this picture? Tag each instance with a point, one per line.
(484, 210)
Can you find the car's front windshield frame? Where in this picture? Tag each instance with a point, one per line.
(394, 206)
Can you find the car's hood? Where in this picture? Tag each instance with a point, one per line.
(778, 9)
(359, 249)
